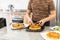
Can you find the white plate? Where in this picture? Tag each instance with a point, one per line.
(54, 29)
(45, 37)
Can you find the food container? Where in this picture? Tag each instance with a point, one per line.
(17, 19)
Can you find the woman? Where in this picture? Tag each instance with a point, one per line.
(40, 11)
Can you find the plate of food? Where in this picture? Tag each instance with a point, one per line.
(17, 26)
(56, 28)
(34, 28)
(52, 35)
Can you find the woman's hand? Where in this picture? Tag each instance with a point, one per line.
(41, 22)
(30, 22)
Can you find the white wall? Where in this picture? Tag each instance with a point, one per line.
(18, 4)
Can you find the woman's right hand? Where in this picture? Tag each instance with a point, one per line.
(28, 18)
(30, 21)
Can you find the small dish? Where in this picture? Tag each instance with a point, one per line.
(55, 28)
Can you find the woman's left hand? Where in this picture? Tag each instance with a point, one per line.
(41, 22)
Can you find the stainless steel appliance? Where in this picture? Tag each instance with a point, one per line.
(58, 12)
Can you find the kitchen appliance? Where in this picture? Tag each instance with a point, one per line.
(58, 12)
(2, 22)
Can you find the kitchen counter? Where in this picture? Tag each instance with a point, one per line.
(23, 35)
(20, 34)
(3, 32)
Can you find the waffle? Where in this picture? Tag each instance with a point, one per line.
(18, 25)
(53, 35)
(34, 27)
